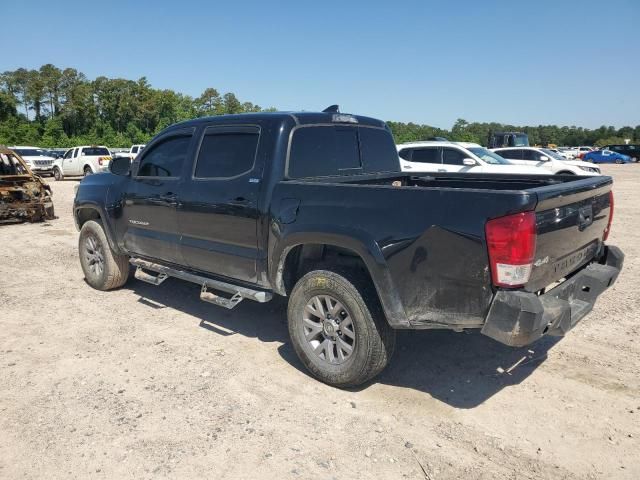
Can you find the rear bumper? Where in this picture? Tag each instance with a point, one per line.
(518, 318)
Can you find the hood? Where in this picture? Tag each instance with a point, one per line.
(521, 169)
(577, 163)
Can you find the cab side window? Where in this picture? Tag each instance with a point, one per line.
(227, 152)
(531, 155)
(68, 154)
(165, 158)
(426, 155)
(511, 154)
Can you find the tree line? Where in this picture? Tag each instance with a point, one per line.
(54, 107)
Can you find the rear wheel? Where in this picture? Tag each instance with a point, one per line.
(87, 171)
(57, 174)
(103, 268)
(565, 173)
(618, 161)
(338, 329)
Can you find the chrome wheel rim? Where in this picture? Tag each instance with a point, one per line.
(94, 255)
(328, 329)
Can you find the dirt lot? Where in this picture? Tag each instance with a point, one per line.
(148, 382)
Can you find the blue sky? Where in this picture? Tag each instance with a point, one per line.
(543, 62)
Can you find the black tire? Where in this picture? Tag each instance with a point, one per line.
(374, 339)
(57, 174)
(87, 171)
(618, 161)
(565, 173)
(103, 269)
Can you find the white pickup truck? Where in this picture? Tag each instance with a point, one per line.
(83, 160)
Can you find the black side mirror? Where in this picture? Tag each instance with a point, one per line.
(120, 166)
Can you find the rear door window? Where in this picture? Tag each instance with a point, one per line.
(426, 155)
(513, 154)
(531, 155)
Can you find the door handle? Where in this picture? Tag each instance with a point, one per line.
(239, 201)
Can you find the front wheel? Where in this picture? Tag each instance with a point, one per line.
(57, 174)
(103, 268)
(338, 328)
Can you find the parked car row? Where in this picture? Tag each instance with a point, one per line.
(463, 157)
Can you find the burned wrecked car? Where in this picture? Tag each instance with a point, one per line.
(24, 197)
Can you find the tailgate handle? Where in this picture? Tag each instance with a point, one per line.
(585, 217)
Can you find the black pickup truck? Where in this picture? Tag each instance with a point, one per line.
(313, 206)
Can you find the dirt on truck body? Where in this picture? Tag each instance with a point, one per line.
(23, 195)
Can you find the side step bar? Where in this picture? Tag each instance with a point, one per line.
(238, 293)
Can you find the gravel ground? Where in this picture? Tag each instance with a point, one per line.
(149, 382)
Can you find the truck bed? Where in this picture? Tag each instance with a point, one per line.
(426, 235)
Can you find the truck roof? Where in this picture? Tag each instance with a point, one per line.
(299, 118)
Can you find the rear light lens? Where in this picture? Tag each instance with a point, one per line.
(100, 160)
(511, 242)
(608, 229)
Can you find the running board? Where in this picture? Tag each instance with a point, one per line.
(238, 293)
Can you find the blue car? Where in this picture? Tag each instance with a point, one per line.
(606, 156)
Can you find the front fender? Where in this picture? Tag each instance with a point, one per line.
(355, 240)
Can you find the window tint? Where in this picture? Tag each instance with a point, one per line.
(90, 151)
(68, 154)
(226, 154)
(165, 159)
(321, 151)
(530, 155)
(379, 152)
(451, 156)
(134, 150)
(426, 155)
(511, 154)
(405, 154)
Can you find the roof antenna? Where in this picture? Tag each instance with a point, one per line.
(332, 109)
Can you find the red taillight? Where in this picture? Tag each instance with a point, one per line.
(511, 242)
(608, 229)
(100, 160)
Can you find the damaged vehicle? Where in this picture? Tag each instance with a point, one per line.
(314, 207)
(24, 196)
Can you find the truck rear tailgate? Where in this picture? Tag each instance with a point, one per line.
(571, 219)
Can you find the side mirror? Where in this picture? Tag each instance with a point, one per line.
(544, 158)
(469, 162)
(120, 166)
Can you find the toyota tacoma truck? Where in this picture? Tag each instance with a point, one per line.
(314, 207)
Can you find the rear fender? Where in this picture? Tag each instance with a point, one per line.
(359, 243)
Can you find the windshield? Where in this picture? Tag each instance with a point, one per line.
(95, 151)
(552, 154)
(31, 152)
(521, 140)
(488, 156)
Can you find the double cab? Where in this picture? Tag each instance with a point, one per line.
(314, 207)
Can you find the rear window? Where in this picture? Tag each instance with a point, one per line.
(330, 150)
(91, 151)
